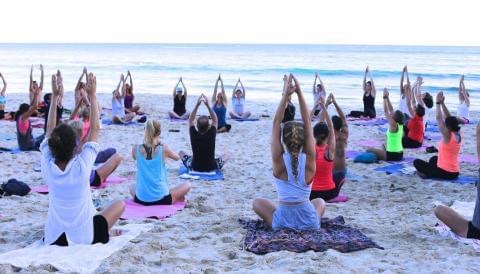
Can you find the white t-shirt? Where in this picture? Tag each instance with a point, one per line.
(403, 106)
(463, 110)
(238, 105)
(70, 208)
(317, 95)
(118, 108)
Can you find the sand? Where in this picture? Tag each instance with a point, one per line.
(395, 211)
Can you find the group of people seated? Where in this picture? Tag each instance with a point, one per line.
(309, 162)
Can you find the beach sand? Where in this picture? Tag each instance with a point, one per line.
(394, 211)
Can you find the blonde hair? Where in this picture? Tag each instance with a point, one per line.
(152, 132)
(77, 126)
(85, 112)
(293, 136)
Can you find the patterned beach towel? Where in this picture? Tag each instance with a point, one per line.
(334, 234)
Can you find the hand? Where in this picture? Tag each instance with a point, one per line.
(91, 84)
(55, 89)
(385, 93)
(288, 88)
(440, 97)
(85, 70)
(41, 67)
(205, 101)
(59, 82)
(316, 74)
(31, 69)
(219, 77)
(462, 78)
(298, 90)
(181, 79)
(122, 77)
(200, 99)
(367, 69)
(405, 68)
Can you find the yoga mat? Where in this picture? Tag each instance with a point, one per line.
(7, 137)
(109, 122)
(392, 169)
(471, 159)
(245, 119)
(10, 150)
(369, 143)
(339, 199)
(208, 176)
(138, 211)
(465, 209)
(175, 120)
(111, 180)
(75, 258)
(406, 160)
(351, 154)
(371, 122)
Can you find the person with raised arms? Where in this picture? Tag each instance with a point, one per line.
(25, 139)
(446, 165)
(340, 127)
(293, 162)
(456, 222)
(72, 218)
(34, 87)
(414, 129)
(80, 88)
(3, 101)
(118, 107)
(129, 98)
(151, 187)
(219, 102)
(463, 109)
(404, 100)
(179, 102)
(369, 93)
(393, 151)
(238, 102)
(202, 140)
(318, 92)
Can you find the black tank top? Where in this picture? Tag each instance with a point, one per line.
(369, 105)
(179, 105)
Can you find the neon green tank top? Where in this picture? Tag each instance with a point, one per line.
(394, 140)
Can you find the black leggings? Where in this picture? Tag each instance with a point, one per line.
(409, 143)
(431, 170)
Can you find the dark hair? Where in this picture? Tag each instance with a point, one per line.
(428, 100)
(398, 117)
(47, 97)
(202, 124)
(369, 82)
(320, 132)
(337, 122)
(62, 142)
(319, 86)
(21, 110)
(420, 110)
(451, 122)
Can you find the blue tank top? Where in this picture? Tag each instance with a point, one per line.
(152, 183)
(293, 190)
(221, 115)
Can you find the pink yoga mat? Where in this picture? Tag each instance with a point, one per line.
(339, 199)
(137, 211)
(369, 143)
(112, 180)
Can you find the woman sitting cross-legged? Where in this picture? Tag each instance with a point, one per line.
(456, 222)
(72, 218)
(393, 151)
(445, 165)
(238, 102)
(293, 170)
(151, 187)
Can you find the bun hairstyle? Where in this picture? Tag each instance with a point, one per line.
(428, 100)
(152, 132)
(451, 122)
(293, 137)
(337, 122)
(320, 132)
(420, 110)
(398, 117)
(62, 142)
(85, 112)
(21, 110)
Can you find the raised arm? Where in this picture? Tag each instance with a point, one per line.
(235, 88)
(214, 96)
(33, 105)
(464, 91)
(339, 109)
(440, 102)
(243, 88)
(94, 115)
(31, 79)
(331, 137)
(374, 89)
(276, 143)
(119, 83)
(129, 75)
(365, 80)
(224, 95)
(309, 147)
(402, 92)
(52, 117)
(4, 85)
(314, 89)
(410, 101)
(478, 142)
(212, 113)
(41, 77)
(184, 88)
(84, 73)
(191, 119)
(175, 88)
(387, 108)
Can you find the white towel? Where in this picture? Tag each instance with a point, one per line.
(76, 258)
(466, 210)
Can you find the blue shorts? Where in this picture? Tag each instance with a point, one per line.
(3, 100)
(300, 217)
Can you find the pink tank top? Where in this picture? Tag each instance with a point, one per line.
(448, 155)
(23, 125)
(323, 178)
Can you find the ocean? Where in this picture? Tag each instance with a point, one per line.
(157, 67)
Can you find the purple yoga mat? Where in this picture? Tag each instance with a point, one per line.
(339, 199)
(351, 154)
(137, 211)
(471, 159)
(369, 143)
(112, 180)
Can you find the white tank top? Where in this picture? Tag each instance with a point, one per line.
(403, 106)
(463, 110)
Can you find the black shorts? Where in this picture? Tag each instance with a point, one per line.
(394, 156)
(167, 200)
(409, 143)
(2, 114)
(187, 162)
(95, 180)
(338, 179)
(473, 232)
(100, 232)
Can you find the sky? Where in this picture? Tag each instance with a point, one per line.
(406, 22)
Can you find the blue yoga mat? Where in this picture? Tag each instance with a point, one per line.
(109, 122)
(245, 119)
(391, 169)
(11, 150)
(217, 176)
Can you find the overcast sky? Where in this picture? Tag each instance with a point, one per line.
(407, 22)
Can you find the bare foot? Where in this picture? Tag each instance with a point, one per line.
(115, 232)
